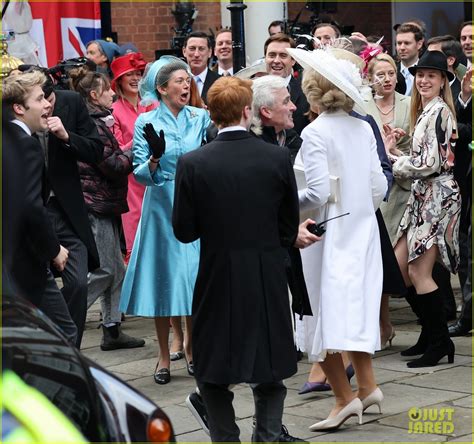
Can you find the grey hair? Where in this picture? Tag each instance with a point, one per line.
(264, 90)
(165, 73)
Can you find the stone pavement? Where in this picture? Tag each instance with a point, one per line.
(446, 386)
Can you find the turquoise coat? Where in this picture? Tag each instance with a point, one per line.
(162, 271)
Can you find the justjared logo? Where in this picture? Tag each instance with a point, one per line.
(431, 420)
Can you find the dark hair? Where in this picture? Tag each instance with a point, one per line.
(280, 38)
(276, 23)
(198, 35)
(84, 81)
(331, 25)
(463, 24)
(411, 27)
(450, 48)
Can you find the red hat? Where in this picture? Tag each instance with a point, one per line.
(129, 62)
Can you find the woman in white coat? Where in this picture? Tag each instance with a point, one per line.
(343, 272)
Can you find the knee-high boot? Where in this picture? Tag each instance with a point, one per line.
(439, 342)
(422, 344)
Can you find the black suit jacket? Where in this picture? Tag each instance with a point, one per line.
(238, 195)
(211, 77)
(401, 86)
(63, 174)
(463, 155)
(302, 107)
(29, 240)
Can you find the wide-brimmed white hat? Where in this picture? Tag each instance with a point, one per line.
(250, 71)
(341, 73)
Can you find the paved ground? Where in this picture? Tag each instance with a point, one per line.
(446, 386)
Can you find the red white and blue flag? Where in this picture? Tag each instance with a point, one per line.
(63, 29)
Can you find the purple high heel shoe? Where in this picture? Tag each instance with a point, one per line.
(309, 387)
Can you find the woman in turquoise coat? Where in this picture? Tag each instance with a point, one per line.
(162, 271)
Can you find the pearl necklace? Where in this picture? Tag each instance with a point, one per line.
(387, 112)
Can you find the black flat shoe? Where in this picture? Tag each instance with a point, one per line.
(162, 376)
(459, 329)
(190, 368)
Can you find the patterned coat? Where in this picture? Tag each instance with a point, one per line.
(432, 213)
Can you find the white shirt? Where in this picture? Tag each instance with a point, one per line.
(408, 77)
(228, 129)
(287, 79)
(222, 71)
(22, 125)
(200, 79)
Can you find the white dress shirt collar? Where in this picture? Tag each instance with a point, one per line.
(22, 125)
(228, 129)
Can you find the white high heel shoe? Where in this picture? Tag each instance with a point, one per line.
(354, 408)
(376, 397)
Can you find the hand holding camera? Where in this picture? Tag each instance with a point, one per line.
(156, 142)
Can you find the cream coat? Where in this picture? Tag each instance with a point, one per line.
(343, 272)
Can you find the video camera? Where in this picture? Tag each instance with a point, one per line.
(60, 72)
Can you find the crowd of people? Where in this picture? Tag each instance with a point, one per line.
(191, 194)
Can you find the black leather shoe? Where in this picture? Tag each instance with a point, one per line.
(190, 368)
(459, 329)
(286, 437)
(162, 376)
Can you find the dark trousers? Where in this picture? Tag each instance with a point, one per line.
(269, 399)
(54, 306)
(74, 276)
(465, 277)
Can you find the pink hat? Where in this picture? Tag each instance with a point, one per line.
(129, 62)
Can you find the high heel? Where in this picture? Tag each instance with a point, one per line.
(354, 408)
(440, 344)
(189, 367)
(434, 354)
(375, 398)
(309, 387)
(389, 340)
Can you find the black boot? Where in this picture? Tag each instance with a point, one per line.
(422, 344)
(113, 339)
(440, 343)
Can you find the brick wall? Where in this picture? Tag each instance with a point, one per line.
(149, 24)
(367, 17)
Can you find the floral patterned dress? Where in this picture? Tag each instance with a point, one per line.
(432, 213)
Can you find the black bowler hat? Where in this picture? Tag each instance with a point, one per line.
(433, 60)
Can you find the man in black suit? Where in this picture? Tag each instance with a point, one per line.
(409, 43)
(197, 51)
(72, 137)
(28, 239)
(238, 196)
(279, 63)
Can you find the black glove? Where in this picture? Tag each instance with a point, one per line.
(156, 142)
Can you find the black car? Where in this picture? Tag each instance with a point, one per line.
(103, 407)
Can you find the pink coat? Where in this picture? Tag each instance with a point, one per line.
(125, 116)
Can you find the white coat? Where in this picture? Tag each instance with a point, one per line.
(343, 271)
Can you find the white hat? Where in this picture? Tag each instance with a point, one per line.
(247, 73)
(341, 73)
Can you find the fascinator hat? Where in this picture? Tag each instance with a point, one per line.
(248, 73)
(156, 75)
(340, 72)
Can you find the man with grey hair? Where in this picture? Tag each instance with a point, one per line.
(273, 113)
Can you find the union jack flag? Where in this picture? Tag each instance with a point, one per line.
(63, 29)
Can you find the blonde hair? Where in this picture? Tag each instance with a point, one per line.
(15, 89)
(380, 58)
(321, 93)
(417, 107)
